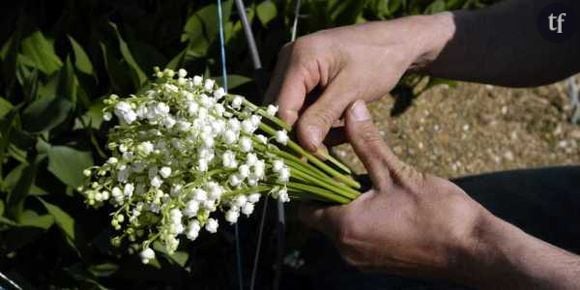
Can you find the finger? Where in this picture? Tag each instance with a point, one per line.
(322, 219)
(316, 121)
(368, 143)
(290, 84)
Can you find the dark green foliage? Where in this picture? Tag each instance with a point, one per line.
(58, 59)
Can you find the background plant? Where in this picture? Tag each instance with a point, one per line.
(58, 59)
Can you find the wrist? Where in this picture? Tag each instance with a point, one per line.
(434, 32)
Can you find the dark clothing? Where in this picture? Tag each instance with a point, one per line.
(543, 202)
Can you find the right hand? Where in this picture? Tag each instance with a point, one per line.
(348, 63)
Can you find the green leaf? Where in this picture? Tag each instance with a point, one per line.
(93, 118)
(234, 81)
(45, 114)
(103, 270)
(39, 53)
(68, 83)
(16, 197)
(1, 207)
(82, 60)
(12, 178)
(117, 72)
(179, 257)
(5, 107)
(141, 78)
(68, 164)
(62, 219)
(435, 7)
(30, 218)
(201, 29)
(266, 12)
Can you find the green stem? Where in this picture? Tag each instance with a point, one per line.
(296, 148)
(346, 193)
(327, 195)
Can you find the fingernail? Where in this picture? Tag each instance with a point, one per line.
(314, 136)
(359, 111)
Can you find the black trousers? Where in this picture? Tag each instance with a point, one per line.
(544, 202)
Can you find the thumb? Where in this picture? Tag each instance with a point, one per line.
(321, 218)
(368, 143)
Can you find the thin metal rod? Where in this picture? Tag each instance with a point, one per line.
(225, 86)
(9, 282)
(295, 22)
(249, 35)
(259, 244)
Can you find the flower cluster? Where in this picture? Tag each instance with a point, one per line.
(185, 150)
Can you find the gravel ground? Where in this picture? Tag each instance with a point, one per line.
(476, 128)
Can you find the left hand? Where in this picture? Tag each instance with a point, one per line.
(408, 223)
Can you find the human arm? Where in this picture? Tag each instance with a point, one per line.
(503, 45)
(420, 225)
(498, 45)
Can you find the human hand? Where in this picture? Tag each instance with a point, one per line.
(408, 223)
(360, 62)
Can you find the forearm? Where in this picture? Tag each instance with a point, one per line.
(499, 45)
(502, 256)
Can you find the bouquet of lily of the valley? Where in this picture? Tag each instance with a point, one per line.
(184, 151)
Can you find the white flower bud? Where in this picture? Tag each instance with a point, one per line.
(161, 109)
(262, 138)
(282, 137)
(181, 73)
(107, 116)
(87, 172)
(200, 194)
(237, 102)
(197, 80)
(192, 108)
(251, 159)
(209, 84)
(116, 192)
(281, 195)
(165, 172)
(272, 110)
(156, 182)
(240, 200)
(211, 225)
(232, 216)
(277, 165)
(235, 180)
(284, 175)
(209, 205)
(248, 208)
(193, 229)
(145, 148)
(244, 170)
(128, 189)
(191, 208)
(230, 136)
(259, 168)
(219, 93)
(168, 122)
(125, 113)
(254, 197)
(245, 144)
(202, 165)
(215, 191)
(248, 127)
(147, 255)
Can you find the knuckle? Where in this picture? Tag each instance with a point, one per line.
(318, 117)
(370, 135)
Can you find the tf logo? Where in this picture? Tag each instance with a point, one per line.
(557, 21)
